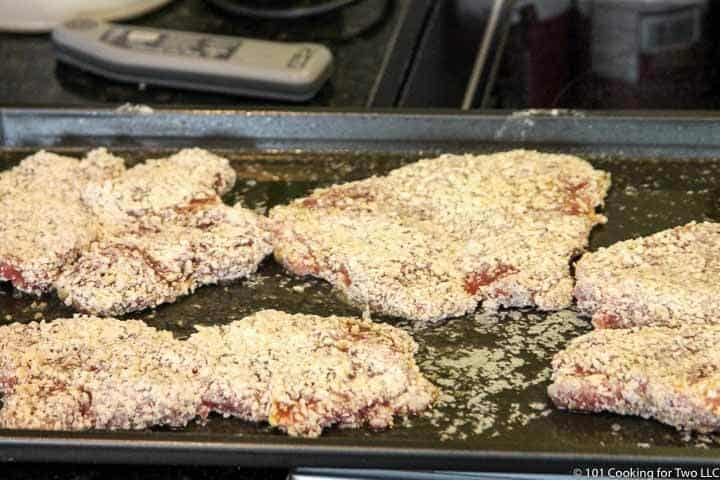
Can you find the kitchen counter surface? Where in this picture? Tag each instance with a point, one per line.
(358, 37)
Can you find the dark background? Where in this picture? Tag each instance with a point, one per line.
(358, 36)
(409, 54)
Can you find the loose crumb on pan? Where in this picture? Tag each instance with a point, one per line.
(476, 383)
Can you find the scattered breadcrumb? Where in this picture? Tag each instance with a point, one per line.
(476, 382)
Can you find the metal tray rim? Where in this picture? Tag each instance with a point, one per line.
(173, 452)
(655, 132)
(358, 129)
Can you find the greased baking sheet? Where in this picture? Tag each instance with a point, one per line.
(493, 369)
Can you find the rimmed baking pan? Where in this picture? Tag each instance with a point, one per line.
(494, 414)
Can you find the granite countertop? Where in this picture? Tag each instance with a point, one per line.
(357, 35)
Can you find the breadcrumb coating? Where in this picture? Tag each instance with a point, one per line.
(160, 186)
(433, 239)
(670, 278)
(44, 224)
(162, 258)
(87, 372)
(669, 374)
(300, 373)
(112, 241)
(303, 373)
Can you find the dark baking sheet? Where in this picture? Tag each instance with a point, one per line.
(493, 369)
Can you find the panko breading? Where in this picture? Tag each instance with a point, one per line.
(669, 374)
(671, 278)
(165, 231)
(156, 261)
(160, 186)
(87, 372)
(433, 239)
(300, 373)
(303, 373)
(112, 241)
(43, 222)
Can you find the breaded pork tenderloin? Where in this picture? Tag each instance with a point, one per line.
(303, 373)
(97, 373)
(669, 374)
(433, 239)
(165, 232)
(671, 278)
(156, 259)
(43, 223)
(112, 241)
(300, 373)
(160, 186)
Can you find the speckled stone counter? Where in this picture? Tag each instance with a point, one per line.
(358, 37)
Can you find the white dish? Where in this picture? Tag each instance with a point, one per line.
(44, 15)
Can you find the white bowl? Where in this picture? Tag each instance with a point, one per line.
(44, 15)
